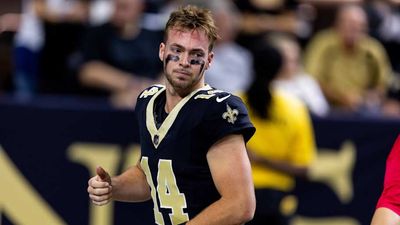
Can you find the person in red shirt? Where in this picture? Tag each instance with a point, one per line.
(388, 207)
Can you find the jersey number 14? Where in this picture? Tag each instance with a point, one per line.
(167, 192)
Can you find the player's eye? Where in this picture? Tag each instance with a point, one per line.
(198, 54)
(176, 50)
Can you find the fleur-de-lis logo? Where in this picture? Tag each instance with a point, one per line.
(230, 115)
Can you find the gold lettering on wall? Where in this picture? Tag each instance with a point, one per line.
(335, 169)
(132, 156)
(19, 200)
(324, 221)
(91, 156)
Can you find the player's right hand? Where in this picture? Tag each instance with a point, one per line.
(100, 188)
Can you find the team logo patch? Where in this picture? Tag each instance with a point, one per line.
(230, 115)
(149, 92)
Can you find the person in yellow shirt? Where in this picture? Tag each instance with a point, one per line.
(283, 146)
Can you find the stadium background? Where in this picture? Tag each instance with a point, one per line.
(49, 148)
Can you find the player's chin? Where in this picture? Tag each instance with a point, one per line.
(182, 79)
(181, 83)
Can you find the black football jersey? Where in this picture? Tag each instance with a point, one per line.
(174, 151)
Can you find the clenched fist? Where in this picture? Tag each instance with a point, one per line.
(100, 188)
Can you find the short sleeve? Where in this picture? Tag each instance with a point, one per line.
(227, 115)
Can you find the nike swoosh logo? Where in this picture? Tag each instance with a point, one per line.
(223, 98)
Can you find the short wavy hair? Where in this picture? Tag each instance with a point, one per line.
(192, 17)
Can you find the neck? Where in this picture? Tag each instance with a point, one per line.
(349, 46)
(174, 96)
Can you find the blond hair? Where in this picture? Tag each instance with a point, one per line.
(191, 18)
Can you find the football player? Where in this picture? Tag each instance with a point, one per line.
(194, 163)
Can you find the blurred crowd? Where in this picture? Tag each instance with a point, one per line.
(338, 56)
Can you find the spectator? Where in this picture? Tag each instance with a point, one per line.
(283, 146)
(120, 57)
(263, 17)
(384, 25)
(292, 79)
(324, 11)
(9, 23)
(28, 43)
(231, 70)
(64, 24)
(351, 67)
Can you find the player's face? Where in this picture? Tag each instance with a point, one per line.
(185, 56)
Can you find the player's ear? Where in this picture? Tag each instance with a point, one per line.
(209, 59)
(161, 51)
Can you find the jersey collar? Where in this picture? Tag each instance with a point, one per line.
(157, 135)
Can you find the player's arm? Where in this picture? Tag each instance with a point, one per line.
(385, 216)
(130, 186)
(231, 172)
